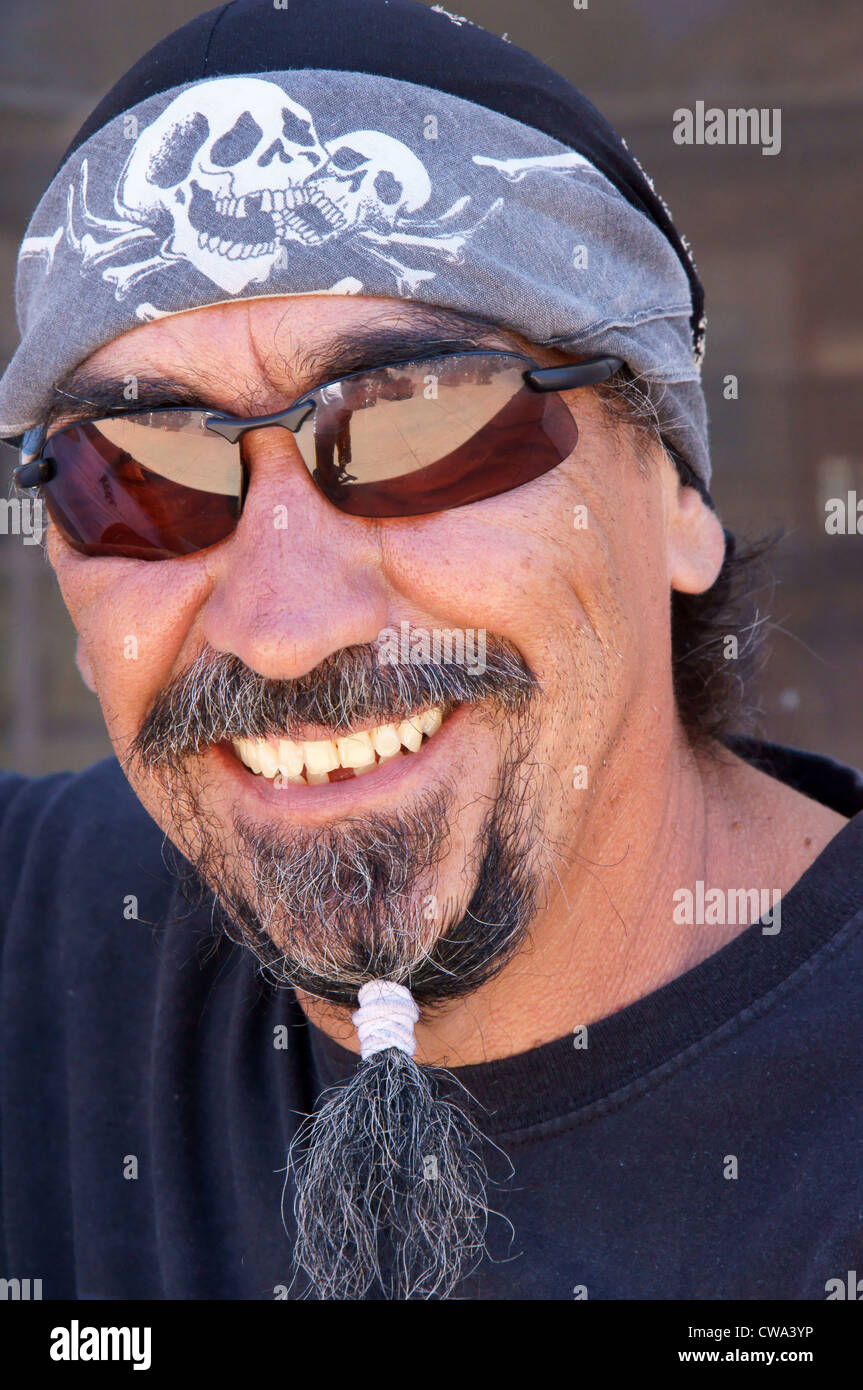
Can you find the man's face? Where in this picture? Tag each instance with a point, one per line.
(569, 575)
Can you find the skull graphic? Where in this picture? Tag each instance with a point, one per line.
(230, 163)
(371, 179)
(233, 170)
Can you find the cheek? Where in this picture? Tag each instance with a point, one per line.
(570, 570)
(524, 566)
(134, 619)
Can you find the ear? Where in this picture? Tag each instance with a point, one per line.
(696, 541)
(85, 670)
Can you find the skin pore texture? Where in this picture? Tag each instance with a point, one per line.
(587, 610)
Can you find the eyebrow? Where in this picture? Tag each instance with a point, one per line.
(85, 396)
(427, 332)
(431, 332)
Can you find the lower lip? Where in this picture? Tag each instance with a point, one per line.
(328, 799)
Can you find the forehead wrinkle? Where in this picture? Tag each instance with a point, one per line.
(214, 376)
(266, 395)
(243, 395)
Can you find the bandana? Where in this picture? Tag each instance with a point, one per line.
(371, 147)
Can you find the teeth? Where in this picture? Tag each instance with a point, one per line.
(356, 750)
(386, 741)
(269, 759)
(295, 223)
(431, 720)
(326, 207)
(248, 751)
(272, 200)
(309, 763)
(290, 758)
(411, 734)
(322, 756)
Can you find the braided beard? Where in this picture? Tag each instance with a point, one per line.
(389, 1173)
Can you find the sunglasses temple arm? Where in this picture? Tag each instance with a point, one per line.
(574, 374)
(33, 474)
(587, 374)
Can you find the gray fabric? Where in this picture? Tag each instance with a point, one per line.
(388, 188)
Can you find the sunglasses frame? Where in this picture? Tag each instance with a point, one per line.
(537, 378)
(30, 475)
(38, 471)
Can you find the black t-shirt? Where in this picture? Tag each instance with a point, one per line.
(706, 1143)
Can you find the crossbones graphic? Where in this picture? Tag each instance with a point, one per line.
(233, 177)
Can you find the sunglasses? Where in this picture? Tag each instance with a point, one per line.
(400, 440)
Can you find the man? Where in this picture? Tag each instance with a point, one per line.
(359, 377)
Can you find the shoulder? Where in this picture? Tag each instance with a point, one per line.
(65, 809)
(73, 837)
(814, 775)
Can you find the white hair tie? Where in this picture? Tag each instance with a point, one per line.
(385, 1018)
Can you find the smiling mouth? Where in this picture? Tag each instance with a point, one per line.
(257, 223)
(315, 761)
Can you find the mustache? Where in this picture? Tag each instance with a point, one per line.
(219, 697)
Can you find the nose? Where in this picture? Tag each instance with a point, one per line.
(297, 580)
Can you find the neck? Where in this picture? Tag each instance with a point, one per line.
(607, 934)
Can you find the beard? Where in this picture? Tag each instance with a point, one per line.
(329, 910)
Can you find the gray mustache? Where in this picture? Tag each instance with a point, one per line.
(219, 697)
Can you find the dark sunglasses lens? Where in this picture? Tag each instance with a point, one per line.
(423, 437)
(144, 491)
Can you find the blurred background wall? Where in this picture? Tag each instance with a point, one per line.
(777, 239)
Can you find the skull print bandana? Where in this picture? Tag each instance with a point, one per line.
(371, 147)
